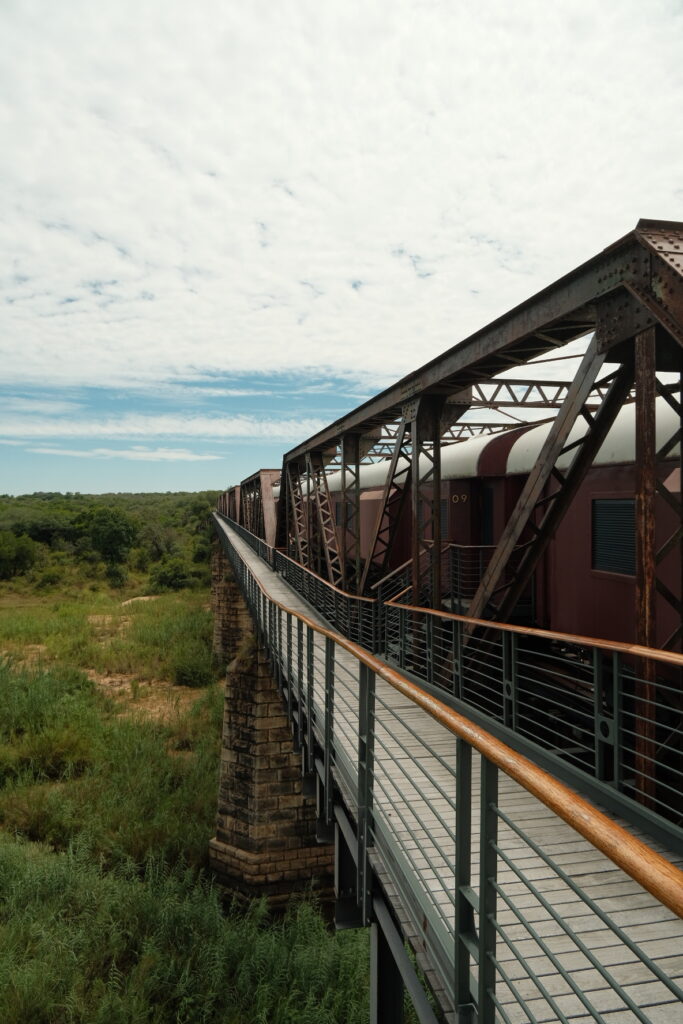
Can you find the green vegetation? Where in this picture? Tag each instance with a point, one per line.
(110, 540)
(84, 946)
(110, 725)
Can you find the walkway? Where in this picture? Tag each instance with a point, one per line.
(554, 947)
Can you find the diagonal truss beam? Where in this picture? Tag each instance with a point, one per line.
(298, 533)
(532, 498)
(394, 494)
(327, 528)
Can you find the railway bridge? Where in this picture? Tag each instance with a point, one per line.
(454, 619)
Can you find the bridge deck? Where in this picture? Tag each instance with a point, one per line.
(414, 816)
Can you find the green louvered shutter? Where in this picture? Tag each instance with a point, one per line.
(614, 535)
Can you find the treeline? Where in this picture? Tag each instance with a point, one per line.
(49, 539)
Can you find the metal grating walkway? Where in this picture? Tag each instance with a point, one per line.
(607, 952)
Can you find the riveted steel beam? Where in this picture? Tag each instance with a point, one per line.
(327, 532)
(532, 497)
(394, 494)
(426, 499)
(298, 514)
(350, 511)
(560, 313)
(646, 583)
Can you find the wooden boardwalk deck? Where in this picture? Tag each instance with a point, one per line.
(542, 923)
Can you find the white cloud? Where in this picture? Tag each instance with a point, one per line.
(147, 426)
(37, 406)
(135, 454)
(232, 192)
(339, 186)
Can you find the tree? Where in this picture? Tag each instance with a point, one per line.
(172, 573)
(112, 533)
(17, 554)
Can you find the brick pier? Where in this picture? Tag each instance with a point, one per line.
(265, 830)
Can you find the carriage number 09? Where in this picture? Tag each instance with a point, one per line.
(455, 498)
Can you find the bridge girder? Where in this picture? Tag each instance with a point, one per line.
(633, 287)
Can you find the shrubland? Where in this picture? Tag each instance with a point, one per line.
(110, 725)
(67, 541)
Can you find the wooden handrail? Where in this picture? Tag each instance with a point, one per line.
(644, 865)
(615, 646)
(344, 593)
(390, 574)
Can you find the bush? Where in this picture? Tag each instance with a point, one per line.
(192, 666)
(117, 575)
(111, 532)
(49, 578)
(171, 574)
(17, 554)
(85, 946)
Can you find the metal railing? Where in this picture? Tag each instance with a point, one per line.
(611, 711)
(355, 617)
(263, 550)
(462, 567)
(526, 902)
(608, 715)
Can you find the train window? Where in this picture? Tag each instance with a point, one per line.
(614, 535)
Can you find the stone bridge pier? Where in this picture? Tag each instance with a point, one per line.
(265, 842)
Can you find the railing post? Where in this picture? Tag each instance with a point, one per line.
(429, 648)
(329, 712)
(605, 715)
(310, 676)
(300, 681)
(618, 712)
(402, 637)
(277, 647)
(488, 868)
(509, 645)
(366, 758)
(290, 702)
(457, 659)
(464, 933)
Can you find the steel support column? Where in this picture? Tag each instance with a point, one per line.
(350, 517)
(646, 583)
(426, 499)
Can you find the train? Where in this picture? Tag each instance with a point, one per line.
(585, 582)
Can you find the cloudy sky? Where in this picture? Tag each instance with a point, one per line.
(224, 224)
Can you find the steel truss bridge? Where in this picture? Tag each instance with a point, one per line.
(505, 800)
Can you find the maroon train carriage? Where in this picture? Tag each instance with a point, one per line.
(585, 582)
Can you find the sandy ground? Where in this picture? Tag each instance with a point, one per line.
(156, 698)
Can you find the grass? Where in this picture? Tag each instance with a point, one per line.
(81, 945)
(72, 764)
(106, 910)
(148, 639)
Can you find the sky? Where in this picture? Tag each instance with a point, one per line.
(223, 225)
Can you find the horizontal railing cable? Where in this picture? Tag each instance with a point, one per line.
(384, 740)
